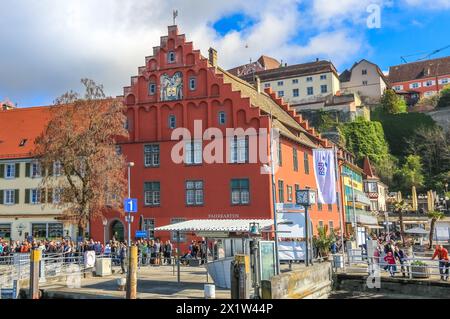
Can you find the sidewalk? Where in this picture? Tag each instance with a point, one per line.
(153, 283)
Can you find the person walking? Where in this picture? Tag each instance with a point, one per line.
(400, 255)
(123, 257)
(442, 255)
(391, 265)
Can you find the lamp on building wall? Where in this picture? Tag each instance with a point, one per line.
(254, 229)
(20, 229)
(104, 222)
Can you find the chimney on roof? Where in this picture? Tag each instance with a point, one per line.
(6, 105)
(258, 83)
(212, 57)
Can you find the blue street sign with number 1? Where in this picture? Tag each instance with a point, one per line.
(130, 205)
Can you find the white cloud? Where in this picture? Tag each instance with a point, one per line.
(50, 44)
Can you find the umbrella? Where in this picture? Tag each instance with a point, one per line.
(414, 199)
(417, 230)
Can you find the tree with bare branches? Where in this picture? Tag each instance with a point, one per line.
(78, 151)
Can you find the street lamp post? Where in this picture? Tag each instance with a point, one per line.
(130, 165)
(131, 275)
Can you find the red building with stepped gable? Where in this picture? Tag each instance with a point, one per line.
(175, 87)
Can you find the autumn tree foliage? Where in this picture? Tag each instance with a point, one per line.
(80, 139)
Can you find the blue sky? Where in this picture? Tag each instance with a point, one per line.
(52, 44)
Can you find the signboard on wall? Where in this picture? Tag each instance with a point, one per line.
(267, 259)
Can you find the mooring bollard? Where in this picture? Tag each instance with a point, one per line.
(35, 258)
(132, 273)
(210, 291)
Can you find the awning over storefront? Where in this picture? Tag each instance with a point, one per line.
(216, 225)
(366, 219)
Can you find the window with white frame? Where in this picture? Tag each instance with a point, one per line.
(194, 152)
(56, 194)
(310, 90)
(280, 83)
(323, 76)
(149, 226)
(295, 92)
(35, 169)
(294, 81)
(267, 85)
(182, 235)
(444, 81)
(10, 170)
(151, 155)
(429, 83)
(240, 191)
(35, 196)
(289, 193)
(324, 88)
(9, 197)
(364, 82)
(239, 149)
(309, 79)
(194, 193)
(364, 71)
(414, 85)
(152, 193)
(57, 168)
(398, 87)
(280, 93)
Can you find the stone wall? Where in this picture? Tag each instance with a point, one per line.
(442, 117)
(312, 282)
(393, 286)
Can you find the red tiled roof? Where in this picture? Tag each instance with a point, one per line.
(21, 124)
(419, 70)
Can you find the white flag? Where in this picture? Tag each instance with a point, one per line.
(325, 173)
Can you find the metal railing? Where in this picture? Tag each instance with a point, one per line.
(410, 267)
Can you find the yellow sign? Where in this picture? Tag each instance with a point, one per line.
(36, 255)
(243, 259)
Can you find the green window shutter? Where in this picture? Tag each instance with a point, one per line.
(43, 192)
(27, 169)
(16, 196)
(2, 170)
(27, 196)
(50, 195)
(1, 196)
(17, 170)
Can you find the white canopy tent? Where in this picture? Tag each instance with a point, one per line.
(417, 231)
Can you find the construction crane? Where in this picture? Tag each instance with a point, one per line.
(428, 54)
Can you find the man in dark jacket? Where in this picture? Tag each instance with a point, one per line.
(123, 256)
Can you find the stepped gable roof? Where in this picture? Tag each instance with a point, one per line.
(419, 70)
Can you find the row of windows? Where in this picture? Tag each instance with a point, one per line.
(172, 120)
(330, 225)
(32, 196)
(33, 169)
(296, 81)
(194, 192)
(427, 83)
(192, 85)
(291, 195)
(38, 230)
(309, 91)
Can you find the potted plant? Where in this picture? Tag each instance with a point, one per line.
(322, 241)
(419, 269)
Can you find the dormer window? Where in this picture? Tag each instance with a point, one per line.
(23, 142)
(152, 89)
(171, 57)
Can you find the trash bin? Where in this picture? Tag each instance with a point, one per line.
(210, 291)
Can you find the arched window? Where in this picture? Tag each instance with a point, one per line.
(222, 118)
(151, 88)
(172, 121)
(171, 57)
(192, 83)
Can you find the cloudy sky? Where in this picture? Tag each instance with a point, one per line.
(47, 46)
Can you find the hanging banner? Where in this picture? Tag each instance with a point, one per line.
(325, 173)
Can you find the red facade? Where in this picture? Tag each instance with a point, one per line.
(208, 94)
